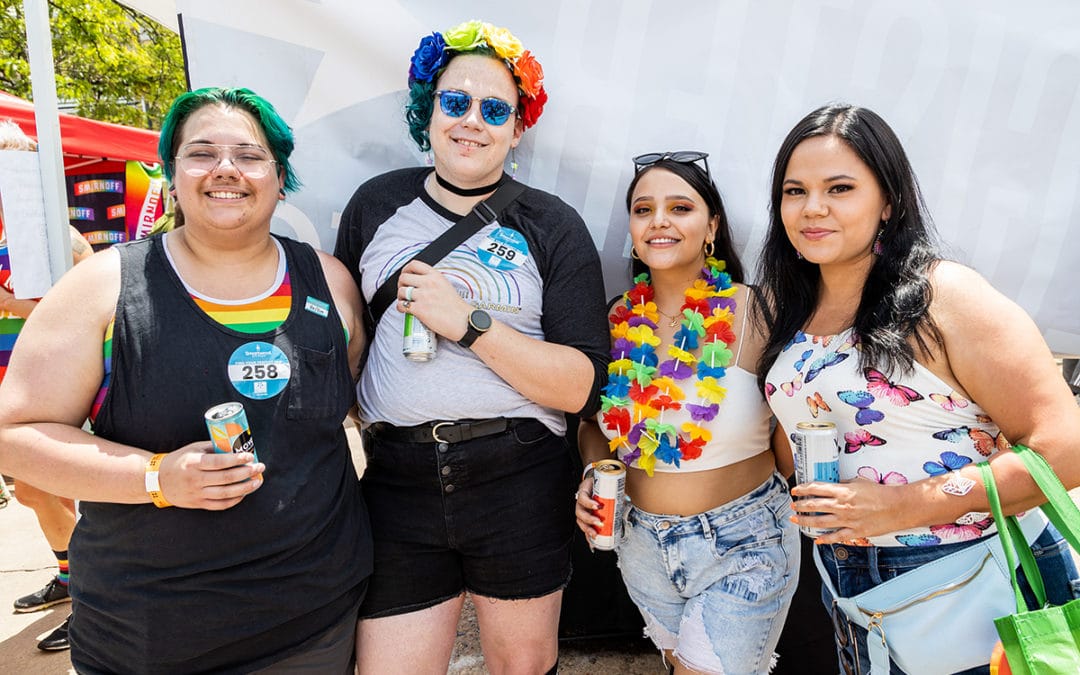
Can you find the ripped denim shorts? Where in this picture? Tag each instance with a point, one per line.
(716, 587)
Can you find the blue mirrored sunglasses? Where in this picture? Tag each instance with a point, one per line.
(454, 103)
(680, 157)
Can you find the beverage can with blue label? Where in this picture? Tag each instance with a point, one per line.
(229, 430)
(816, 450)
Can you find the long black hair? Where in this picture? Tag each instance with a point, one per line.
(896, 295)
(696, 178)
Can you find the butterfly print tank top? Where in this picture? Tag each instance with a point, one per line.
(891, 429)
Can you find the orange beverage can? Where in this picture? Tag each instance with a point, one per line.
(609, 489)
(229, 430)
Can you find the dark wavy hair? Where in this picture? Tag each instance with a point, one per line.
(421, 103)
(896, 295)
(278, 134)
(696, 178)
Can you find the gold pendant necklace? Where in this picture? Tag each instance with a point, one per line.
(674, 319)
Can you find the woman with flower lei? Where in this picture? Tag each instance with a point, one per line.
(708, 555)
(468, 478)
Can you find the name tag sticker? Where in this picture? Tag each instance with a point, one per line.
(504, 249)
(317, 307)
(259, 370)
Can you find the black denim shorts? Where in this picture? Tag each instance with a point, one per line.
(492, 515)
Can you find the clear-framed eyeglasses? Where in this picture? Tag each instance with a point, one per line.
(199, 159)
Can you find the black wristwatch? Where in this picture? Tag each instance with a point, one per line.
(479, 323)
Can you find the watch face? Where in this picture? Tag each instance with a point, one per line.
(480, 320)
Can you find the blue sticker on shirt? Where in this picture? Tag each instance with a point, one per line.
(504, 249)
(259, 370)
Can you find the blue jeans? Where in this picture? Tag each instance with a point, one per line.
(855, 569)
(715, 587)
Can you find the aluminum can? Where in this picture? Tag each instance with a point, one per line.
(817, 458)
(419, 341)
(229, 430)
(609, 489)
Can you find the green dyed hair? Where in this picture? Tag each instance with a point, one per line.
(418, 112)
(278, 134)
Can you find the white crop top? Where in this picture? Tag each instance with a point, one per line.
(739, 431)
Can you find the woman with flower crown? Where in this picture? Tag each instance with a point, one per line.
(469, 479)
(708, 553)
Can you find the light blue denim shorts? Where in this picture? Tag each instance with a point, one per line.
(716, 587)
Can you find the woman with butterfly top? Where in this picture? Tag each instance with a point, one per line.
(907, 354)
(709, 554)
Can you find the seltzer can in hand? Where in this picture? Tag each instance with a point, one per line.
(229, 430)
(609, 489)
(817, 458)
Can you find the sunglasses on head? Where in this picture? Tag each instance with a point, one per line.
(680, 157)
(454, 103)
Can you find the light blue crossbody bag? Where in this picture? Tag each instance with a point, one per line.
(939, 617)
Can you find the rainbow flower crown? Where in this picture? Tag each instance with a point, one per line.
(436, 50)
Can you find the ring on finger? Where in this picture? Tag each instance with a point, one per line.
(408, 293)
(406, 304)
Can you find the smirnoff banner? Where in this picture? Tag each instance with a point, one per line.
(96, 207)
(985, 95)
(117, 206)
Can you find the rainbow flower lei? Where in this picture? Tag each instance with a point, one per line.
(435, 50)
(639, 390)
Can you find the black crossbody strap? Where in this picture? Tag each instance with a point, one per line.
(484, 213)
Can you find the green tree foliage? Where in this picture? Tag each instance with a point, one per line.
(115, 64)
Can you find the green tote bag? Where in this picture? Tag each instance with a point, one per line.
(1046, 640)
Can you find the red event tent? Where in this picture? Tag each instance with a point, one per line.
(86, 142)
(102, 151)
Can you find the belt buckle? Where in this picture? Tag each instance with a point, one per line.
(435, 431)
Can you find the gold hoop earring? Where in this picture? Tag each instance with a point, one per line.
(710, 248)
(633, 254)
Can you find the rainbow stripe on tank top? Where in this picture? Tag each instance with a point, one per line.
(260, 316)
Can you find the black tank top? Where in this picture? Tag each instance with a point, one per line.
(187, 590)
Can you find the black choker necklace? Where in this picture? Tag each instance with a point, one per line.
(469, 192)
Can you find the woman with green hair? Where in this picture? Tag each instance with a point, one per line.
(469, 478)
(189, 559)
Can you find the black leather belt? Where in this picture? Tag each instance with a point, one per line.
(442, 432)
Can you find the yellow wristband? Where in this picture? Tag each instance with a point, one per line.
(153, 485)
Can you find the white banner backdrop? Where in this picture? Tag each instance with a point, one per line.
(985, 95)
